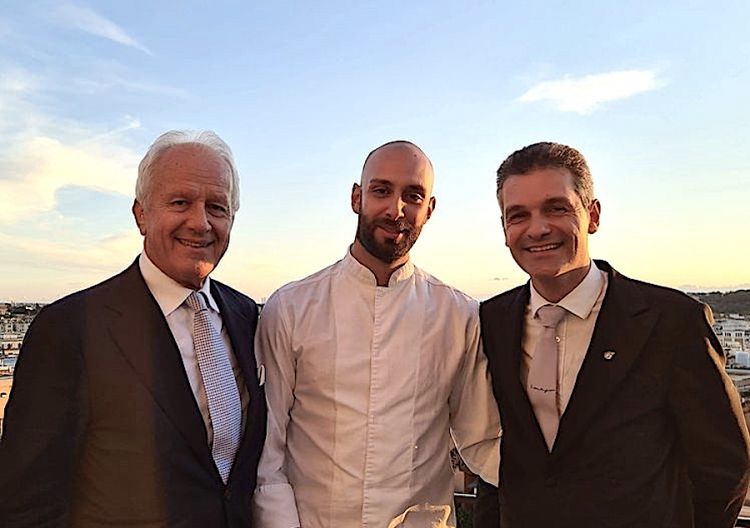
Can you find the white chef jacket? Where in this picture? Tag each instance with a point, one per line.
(365, 387)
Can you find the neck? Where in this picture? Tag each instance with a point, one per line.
(381, 270)
(554, 289)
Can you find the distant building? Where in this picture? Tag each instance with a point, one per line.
(17, 324)
(13, 328)
(733, 332)
(10, 344)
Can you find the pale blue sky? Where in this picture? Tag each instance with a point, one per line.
(654, 96)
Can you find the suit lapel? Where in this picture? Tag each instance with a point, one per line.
(241, 332)
(509, 333)
(141, 333)
(623, 326)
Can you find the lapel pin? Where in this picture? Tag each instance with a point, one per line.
(609, 354)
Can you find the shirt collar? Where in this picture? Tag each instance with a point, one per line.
(363, 274)
(169, 294)
(580, 301)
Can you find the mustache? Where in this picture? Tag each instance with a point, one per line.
(393, 225)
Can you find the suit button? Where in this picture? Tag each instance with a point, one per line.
(550, 482)
(227, 494)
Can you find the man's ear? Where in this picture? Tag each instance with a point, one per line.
(431, 207)
(595, 209)
(356, 198)
(139, 216)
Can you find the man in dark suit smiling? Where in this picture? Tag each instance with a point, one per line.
(136, 402)
(615, 406)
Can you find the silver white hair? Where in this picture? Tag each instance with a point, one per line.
(208, 139)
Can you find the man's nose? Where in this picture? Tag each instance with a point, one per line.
(395, 208)
(538, 226)
(198, 218)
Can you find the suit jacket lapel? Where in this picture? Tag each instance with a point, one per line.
(241, 330)
(623, 326)
(509, 332)
(141, 333)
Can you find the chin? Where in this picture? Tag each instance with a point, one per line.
(203, 268)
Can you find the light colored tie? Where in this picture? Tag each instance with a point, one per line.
(542, 386)
(223, 397)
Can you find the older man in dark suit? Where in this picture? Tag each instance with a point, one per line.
(615, 405)
(137, 402)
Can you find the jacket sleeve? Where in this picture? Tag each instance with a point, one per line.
(274, 504)
(710, 422)
(43, 426)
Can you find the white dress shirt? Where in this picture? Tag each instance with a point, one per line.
(170, 296)
(366, 385)
(574, 331)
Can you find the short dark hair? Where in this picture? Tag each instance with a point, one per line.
(544, 155)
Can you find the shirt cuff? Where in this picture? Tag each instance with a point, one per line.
(274, 507)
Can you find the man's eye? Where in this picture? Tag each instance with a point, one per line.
(379, 190)
(218, 209)
(178, 202)
(414, 198)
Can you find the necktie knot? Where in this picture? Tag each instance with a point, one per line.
(550, 315)
(196, 301)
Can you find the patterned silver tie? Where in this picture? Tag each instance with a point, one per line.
(222, 394)
(542, 386)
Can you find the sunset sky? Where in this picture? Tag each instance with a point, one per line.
(653, 93)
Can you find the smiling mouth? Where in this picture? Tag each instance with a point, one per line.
(546, 247)
(394, 232)
(193, 243)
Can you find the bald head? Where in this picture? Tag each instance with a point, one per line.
(404, 154)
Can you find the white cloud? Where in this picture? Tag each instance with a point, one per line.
(45, 164)
(585, 94)
(87, 20)
(58, 257)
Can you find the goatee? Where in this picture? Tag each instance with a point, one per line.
(390, 250)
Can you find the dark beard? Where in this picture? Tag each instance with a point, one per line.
(391, 250)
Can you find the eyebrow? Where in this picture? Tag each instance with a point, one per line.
(377, 181)
(557, 200)
(549, 201)
(388, 183)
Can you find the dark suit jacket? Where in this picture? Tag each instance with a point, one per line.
(102, 428)
(652, 438)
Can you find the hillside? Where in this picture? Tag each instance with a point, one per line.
(731, 302)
